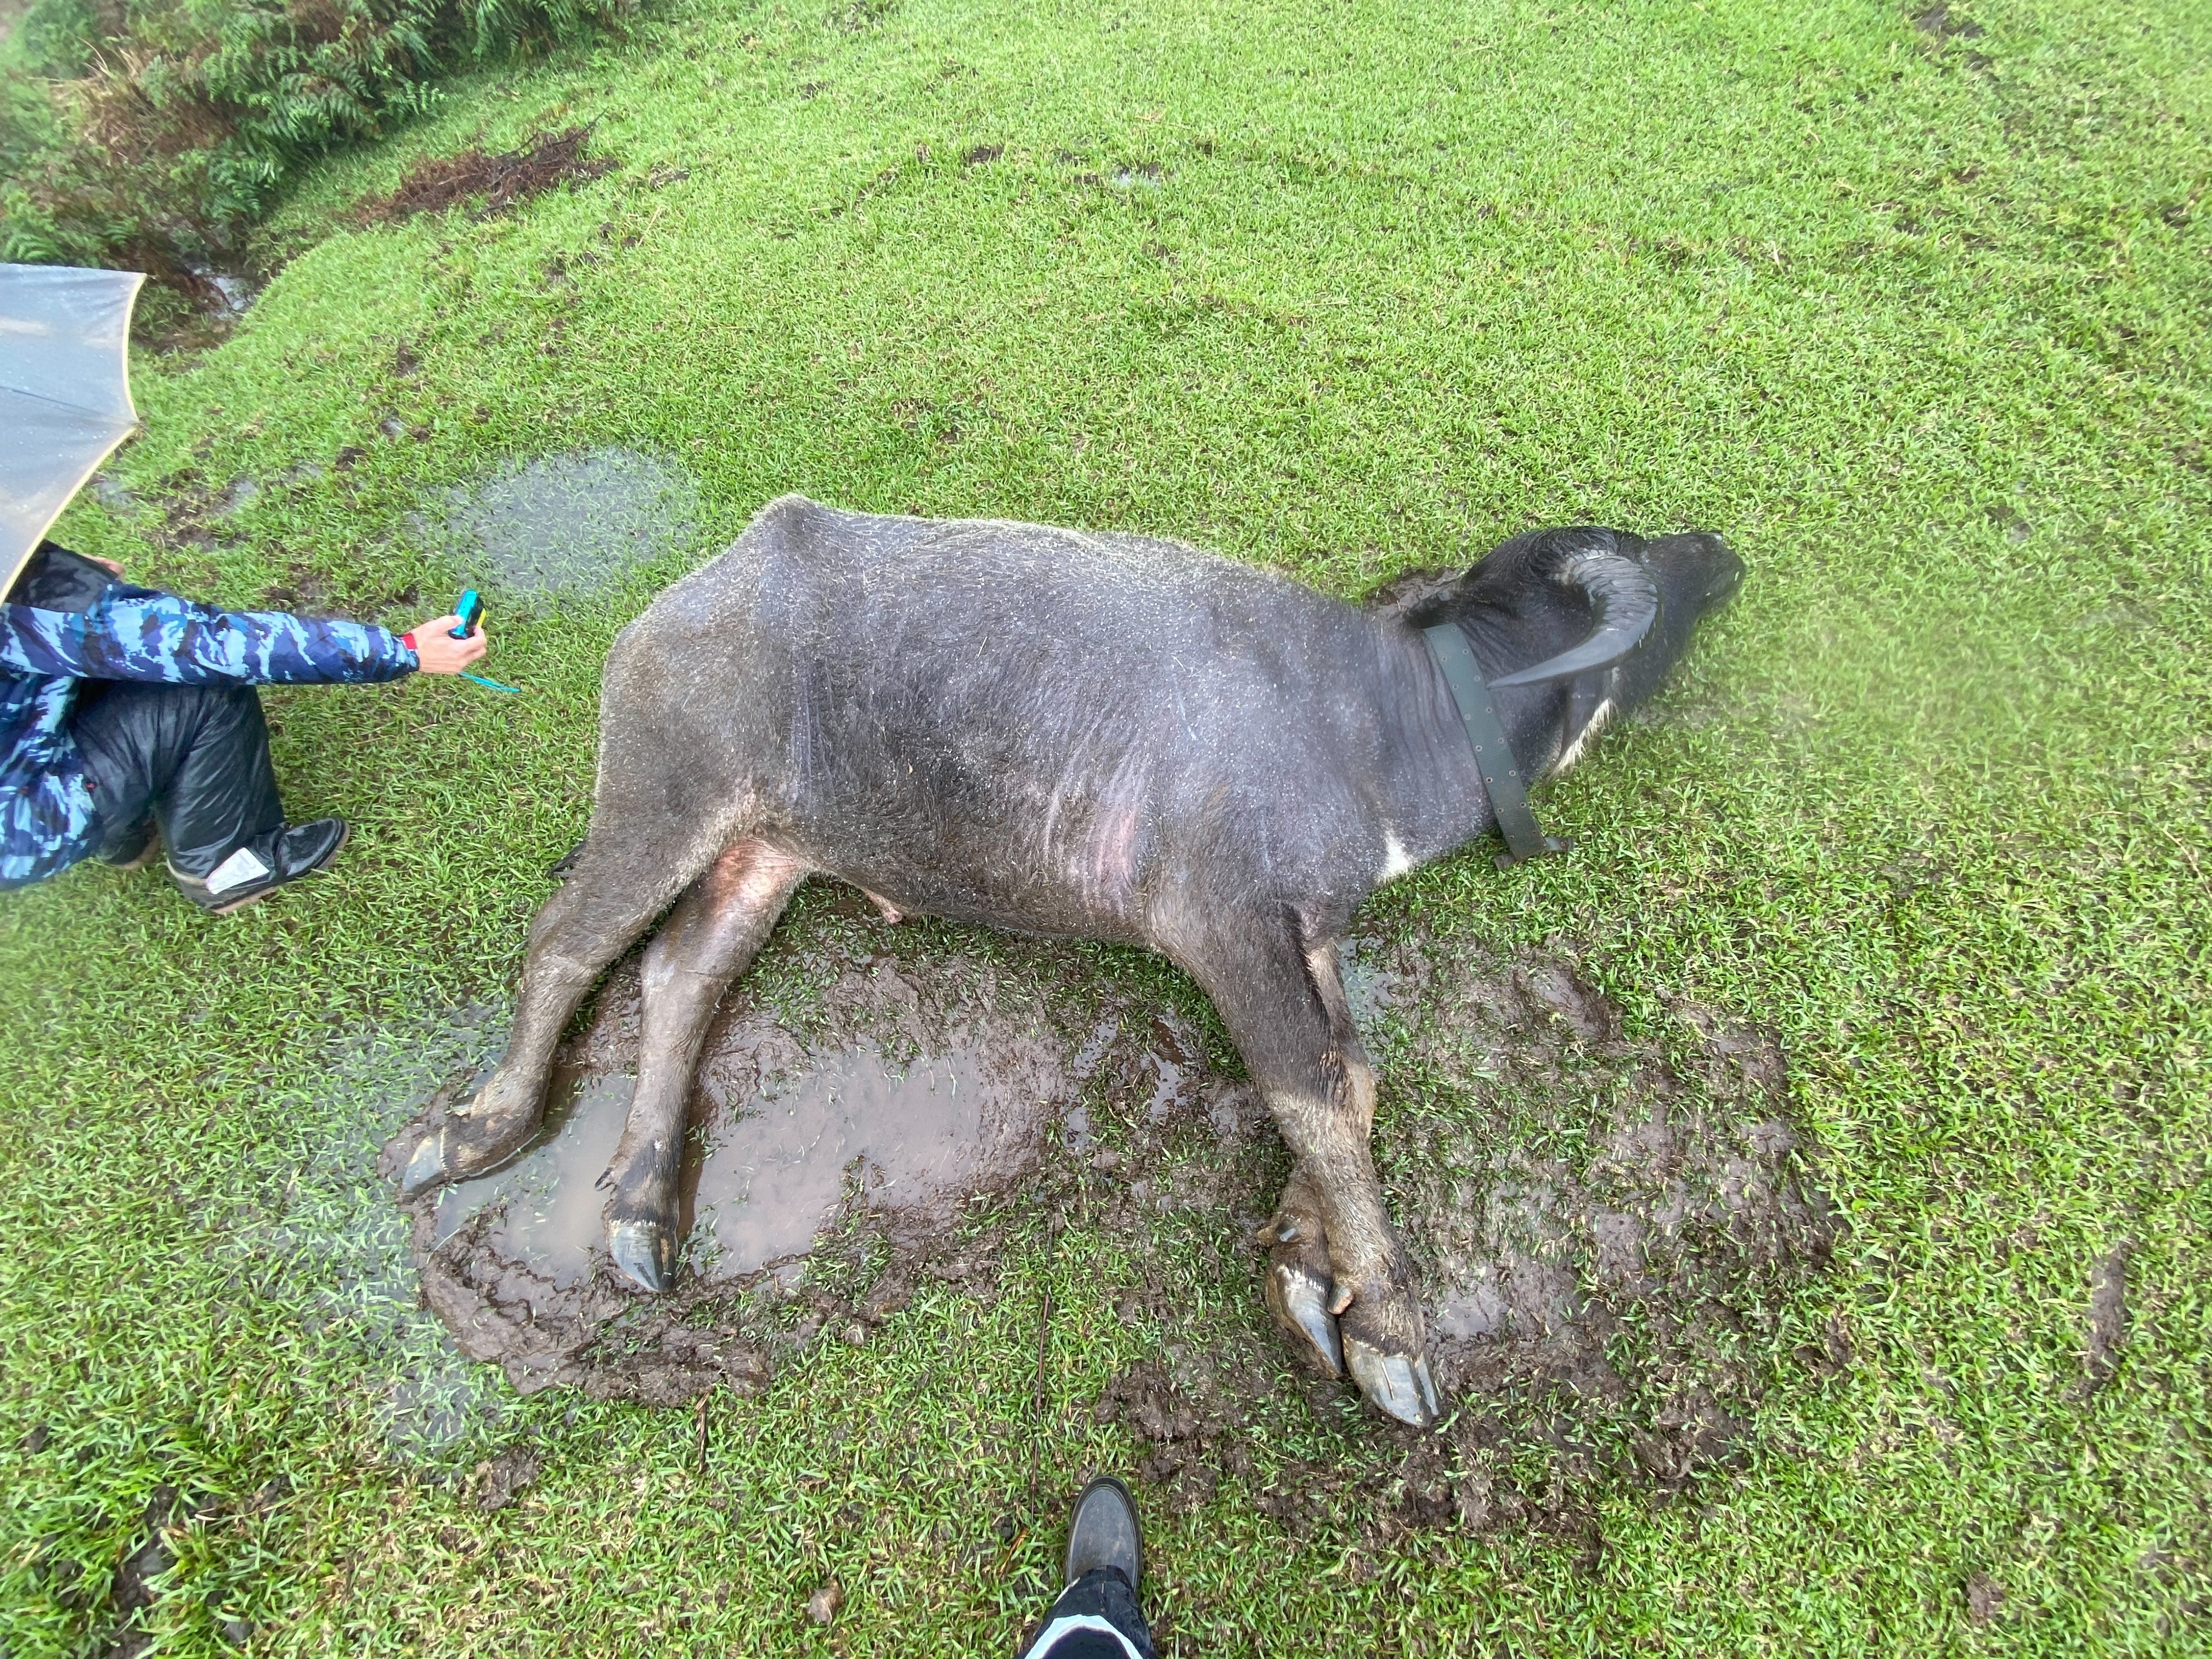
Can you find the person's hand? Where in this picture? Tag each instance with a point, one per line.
(439, 652)
(108, 565)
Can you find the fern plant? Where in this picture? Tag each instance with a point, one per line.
(153, 132)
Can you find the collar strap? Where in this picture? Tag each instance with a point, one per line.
(1501, 777)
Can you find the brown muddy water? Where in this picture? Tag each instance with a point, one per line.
(765, 1177)
(1605, 1225)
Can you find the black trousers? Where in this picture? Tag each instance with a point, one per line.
(1104, 1594)
(193, 758)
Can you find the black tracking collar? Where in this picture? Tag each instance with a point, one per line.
(1501, 777)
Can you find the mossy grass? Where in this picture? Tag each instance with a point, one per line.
(1914, 312)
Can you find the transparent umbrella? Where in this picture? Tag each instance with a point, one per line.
(65, 393)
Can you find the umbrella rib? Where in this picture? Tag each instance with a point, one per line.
(26, 392)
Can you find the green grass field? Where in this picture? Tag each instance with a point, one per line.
(1918, 313)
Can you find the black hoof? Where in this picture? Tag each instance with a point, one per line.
(426, 1165)
(1299, 1302)
(1399, 1385)
(645, 1252)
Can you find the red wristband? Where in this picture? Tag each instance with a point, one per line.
(408, 639)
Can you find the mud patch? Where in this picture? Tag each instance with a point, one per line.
(2108, 1316)
(1939, 21)
(1607, 1226)
(1984, 1597)
(498, 1481)
(1607, 1230)
(1613, 1198)
(493, 183)
(569, 524)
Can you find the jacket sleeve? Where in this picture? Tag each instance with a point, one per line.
(135, 635)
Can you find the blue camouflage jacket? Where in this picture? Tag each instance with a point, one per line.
(46, 817)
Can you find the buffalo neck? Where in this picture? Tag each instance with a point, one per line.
(1430, 785)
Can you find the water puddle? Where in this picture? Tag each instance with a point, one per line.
(544, 1209)
(572, 524)
(774, 1175)
(765, 1177)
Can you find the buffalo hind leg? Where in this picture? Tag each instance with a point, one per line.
(1341, 1283)
(706, 942)
(591, 919)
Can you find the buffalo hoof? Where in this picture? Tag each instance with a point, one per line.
(644, 1252)
(1400, 1384)
(445, 1154)
(490, 1132)
(426, 1165)
(1298, 1298)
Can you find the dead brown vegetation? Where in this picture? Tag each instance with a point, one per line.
(492, 182)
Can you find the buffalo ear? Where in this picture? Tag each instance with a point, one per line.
(1514, 561)
(1426, 598)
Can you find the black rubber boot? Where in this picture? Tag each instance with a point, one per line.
(261, 865)
(134, 849)
(1097, 1616)
(1102, 1532)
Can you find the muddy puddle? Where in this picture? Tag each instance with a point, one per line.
(568, 525)
(1604, 1225)
(765, 1177)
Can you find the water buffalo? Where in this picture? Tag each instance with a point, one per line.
(1074, 733)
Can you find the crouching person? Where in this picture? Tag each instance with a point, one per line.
(127, 714)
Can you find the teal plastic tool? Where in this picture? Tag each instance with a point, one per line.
(469, 608)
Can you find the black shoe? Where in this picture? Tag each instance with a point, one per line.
(1102, 1532)
(262, 866)
(133, 850)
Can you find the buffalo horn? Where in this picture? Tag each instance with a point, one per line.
(1626, 601)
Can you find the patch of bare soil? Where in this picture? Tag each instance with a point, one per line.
(2108, 1316)
(1606, 1226)
(498, 1481)
(494, 183)
(1942, 25)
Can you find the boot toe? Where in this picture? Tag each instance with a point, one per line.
(307, 847)
(1104, 1532)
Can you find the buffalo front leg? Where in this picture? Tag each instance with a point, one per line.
(585, 926)
(707, 942)
(1340, 1282)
